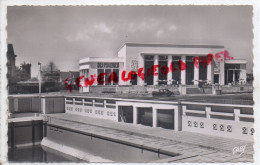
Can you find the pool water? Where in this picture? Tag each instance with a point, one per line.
(35, 154)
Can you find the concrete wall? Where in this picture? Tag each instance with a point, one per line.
(24, 104)
(53, 104)
(23, 132)
(102, 110)
(224, 124)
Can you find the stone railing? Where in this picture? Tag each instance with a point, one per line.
(230, 124)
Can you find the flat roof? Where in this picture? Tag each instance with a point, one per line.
(101, 59)
(170, 45)
(236, 61)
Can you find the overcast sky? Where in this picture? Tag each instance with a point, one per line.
(66, 34)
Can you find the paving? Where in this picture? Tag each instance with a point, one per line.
(189, 147)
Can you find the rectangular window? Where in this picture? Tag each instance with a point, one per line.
(100, 71)
(163, 58)
(108, 65)
(115, 76)
(107, 76)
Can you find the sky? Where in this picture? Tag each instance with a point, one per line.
(65, 34)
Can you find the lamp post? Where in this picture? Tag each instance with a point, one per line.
(40, 79)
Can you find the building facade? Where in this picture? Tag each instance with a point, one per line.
(163, 64)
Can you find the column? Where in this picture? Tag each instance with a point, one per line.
(140, 65)
(196, 74)
(154, 117)
(43, 107)
(236, 114)
(222, 72)
(169, 75)
(93, 103)
(155, 77)
(74, 105)
(184, 107)
(208, 110)
(183, 72)
(209, 74)
(105, 103)
(135, 115)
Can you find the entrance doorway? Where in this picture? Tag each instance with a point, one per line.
(216, 79)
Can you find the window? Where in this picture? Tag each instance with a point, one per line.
(111, 73)
(163, 70)
(100, 78)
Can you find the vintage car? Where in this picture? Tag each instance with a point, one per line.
(162, 92)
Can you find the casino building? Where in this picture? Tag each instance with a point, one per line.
(164, 64)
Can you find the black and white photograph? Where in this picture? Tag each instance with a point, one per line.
(130, 84)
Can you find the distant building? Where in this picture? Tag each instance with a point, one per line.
(26, 68)
(15, 74)
(11, 61)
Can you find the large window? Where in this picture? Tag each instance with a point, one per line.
(108, 73)
(203, 69)
(148, 69)
(176, 72)
(162, 70)
(189, 70)
(232, 73)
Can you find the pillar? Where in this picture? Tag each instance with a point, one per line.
(184, 107)
(156, 77)
(222, 72)
(74, 105)
(154, 117)
(105, 104)
(208, 110)
(135, 115)
(209, 74)
(169, 75)
(236, 114)
(93, 102)
(43, 106)
(183, 72)
(140, 65)
(196, 74)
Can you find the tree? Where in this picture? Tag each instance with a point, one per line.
(50, 67)
(50, 73)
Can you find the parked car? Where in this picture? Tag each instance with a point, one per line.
(162, 92)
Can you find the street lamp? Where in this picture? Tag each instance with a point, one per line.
(39, 65)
